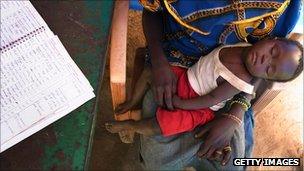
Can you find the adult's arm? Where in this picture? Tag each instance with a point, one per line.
(164, 80)
(221, 130)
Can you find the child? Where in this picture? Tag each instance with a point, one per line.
(214, 79)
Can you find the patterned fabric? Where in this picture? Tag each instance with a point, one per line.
(194, 29)
(212, 23)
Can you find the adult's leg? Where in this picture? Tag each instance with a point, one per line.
(178, 152)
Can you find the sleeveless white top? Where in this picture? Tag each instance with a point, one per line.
(202, 75)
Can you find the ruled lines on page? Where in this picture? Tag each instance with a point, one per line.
(40, 83)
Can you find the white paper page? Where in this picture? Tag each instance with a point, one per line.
(72, 64)
(19, 22)
(45, 109)
(27, 78)
(28, 71)
(40, 83)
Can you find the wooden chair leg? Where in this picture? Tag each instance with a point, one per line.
(139, 62)
(128, 137)
(118, 52)
(130, 115)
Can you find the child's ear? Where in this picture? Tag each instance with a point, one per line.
(296, 36)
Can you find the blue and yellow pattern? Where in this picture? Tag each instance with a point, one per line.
(193, 28)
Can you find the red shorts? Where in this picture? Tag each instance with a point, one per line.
(178, 120)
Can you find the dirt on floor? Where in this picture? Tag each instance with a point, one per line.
(108, 152)
(278, 128)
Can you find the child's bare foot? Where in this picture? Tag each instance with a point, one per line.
(126, 136)
(115, 127)
(124, 107)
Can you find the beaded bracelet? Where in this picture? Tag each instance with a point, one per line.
(244, 105)
(243, 101)
(234, 118)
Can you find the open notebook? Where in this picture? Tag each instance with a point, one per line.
(40, 83)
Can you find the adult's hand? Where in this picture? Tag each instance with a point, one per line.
(217, 135)
(164, 80)
(164, 84)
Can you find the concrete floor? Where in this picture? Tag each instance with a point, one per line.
(278, 131)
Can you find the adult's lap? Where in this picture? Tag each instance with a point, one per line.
(179, 151)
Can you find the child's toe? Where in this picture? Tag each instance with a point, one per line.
(109, 127)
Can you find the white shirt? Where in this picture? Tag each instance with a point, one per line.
(203, 75)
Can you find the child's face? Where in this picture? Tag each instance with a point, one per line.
(272, 59)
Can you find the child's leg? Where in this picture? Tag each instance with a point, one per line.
(140, 88)
(146, 127)
(179, 121)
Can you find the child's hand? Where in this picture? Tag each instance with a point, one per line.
(177, 101)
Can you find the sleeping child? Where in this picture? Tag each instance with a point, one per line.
(214, 79)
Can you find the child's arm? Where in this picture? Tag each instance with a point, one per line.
(219, 94)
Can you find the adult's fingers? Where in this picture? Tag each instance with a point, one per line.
(160, 95)
(226, 157)
(210, 152)
(168, 97)
(174, 90)
(217, 155)
(204, 148)
(200, 133)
